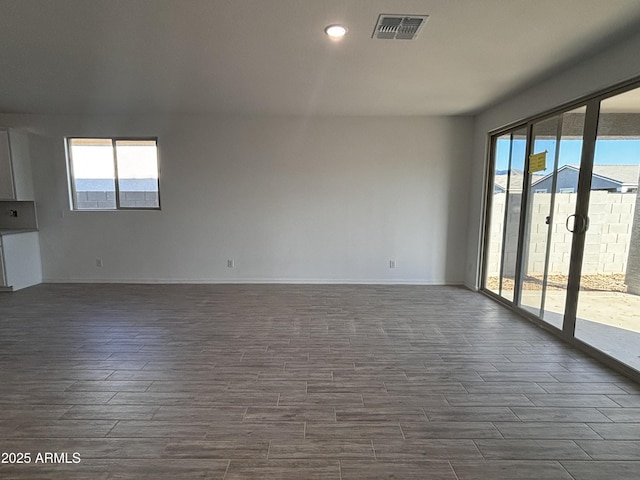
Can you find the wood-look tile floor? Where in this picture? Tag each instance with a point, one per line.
(301, 382)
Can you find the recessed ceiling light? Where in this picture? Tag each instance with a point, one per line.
(335, 31)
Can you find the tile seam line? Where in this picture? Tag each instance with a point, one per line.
(453, 469)
(565, 469)
(227, 469)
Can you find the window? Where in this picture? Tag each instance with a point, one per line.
(113, 173)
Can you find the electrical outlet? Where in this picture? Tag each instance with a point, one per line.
(230, 263)
(392, 264)
(99, 262)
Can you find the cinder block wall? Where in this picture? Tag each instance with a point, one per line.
(91, 200)
(608, 240)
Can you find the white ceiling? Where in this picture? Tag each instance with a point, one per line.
(272, 57)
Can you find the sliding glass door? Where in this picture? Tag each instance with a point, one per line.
(509, 159)
(562, 237)
(608, 311)
(537, 219)
(554, 167)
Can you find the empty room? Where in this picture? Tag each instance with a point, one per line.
(337, 239)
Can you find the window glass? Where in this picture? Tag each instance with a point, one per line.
(109, 174)
(93, 174)
(137, 173)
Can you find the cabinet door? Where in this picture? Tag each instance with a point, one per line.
(6, 173)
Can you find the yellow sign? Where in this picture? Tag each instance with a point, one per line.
(538, 162)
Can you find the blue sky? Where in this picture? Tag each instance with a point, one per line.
(608, 152)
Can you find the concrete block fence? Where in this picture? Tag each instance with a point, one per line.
(100, 200)
(608, 240)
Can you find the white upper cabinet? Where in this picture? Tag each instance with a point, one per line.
(15, 166)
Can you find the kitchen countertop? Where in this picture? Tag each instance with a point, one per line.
(12, 231)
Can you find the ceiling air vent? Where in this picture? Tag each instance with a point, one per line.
(399, 27)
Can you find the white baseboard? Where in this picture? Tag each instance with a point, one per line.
(310, 281)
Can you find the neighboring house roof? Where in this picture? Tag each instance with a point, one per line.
(500, 182)
(623, 175)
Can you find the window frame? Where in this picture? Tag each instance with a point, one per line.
(114, 140)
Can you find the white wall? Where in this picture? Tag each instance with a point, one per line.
(288, 199)
(600, 71)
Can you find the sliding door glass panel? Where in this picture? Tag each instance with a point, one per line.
(495, 227)
(552, 184)
(563, 207)
(512, 216)
(504, 218)
(608, 315)
(541, 180)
